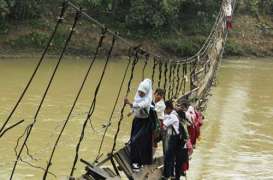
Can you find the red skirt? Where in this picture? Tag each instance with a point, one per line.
(229, 22)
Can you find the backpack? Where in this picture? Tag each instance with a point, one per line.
(183, 135)
(155, 123)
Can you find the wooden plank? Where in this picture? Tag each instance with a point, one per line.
(126, 159)
(95, 171)
(150, 172)
(187, 94)
(123, 167)
(109, 171)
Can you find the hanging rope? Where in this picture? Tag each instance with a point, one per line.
(10, 127)
(165, 74)
(181, 80)
(59, 21)
(24, 161)
(184, 78)
(153, 73)
(178, 80)
(124, 105)
(193, 75)
(46, 91)
(169, 80)
(116, 102)
(147, 56)
(77, 97)
(160, 73)
(93, 106)
(173, 81)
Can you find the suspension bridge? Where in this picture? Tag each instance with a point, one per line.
(191, 78)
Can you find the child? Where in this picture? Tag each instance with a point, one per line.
(141, 135)
(159, 103)
(159, 108)
(228, 14)
(171, 124)
(186, 147)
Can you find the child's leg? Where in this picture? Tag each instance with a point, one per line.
(169, 157)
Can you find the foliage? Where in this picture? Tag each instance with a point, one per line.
(233, 49)
(167, 21)
(182, 46)
(144, 14)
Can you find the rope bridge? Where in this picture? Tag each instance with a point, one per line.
(190, 77)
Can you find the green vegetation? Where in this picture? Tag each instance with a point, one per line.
(177, 26)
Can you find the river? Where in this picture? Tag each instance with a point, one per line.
(237, 136)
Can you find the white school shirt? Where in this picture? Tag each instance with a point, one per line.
(172, 120)
(160, 108)
(190, 114)
(141, 107)
(228, 9)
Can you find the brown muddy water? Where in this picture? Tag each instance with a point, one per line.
(237, 137)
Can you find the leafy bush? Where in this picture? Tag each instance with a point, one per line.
(34, 39)
(233, 49)
(179, 46)
(146, 15)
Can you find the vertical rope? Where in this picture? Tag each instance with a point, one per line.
(153, 73)
(169, 80)
(165, 75)
(184, 78)
(92, 107)
(193, 75)
(76, 99)
(145, 65)
(113, 110)
(160, 73)
(178, 80)
(59, 21)
(46, 91)
(173, 81)
(124, 105)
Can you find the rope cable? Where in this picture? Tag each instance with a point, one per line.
(124, 105)
(145, 65)
(165, 74)
(153, 72)
(59, 21)
(77, 97)
(113, 110)
(93, 105)
(178, 79)
(169, 80)
(160, 73)
(46, 91)
(173, 81)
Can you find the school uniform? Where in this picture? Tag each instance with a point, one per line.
(141, 133)
(182, 156)
(159, 133)
(171, 122)
(160, 108)
(228, 14)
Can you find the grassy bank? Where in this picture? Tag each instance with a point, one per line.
(251, 36)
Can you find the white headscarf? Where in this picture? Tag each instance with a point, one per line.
(144, 102)
(228, 8)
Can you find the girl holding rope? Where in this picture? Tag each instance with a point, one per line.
(141, 133)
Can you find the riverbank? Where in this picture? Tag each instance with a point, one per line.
(250, 37)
